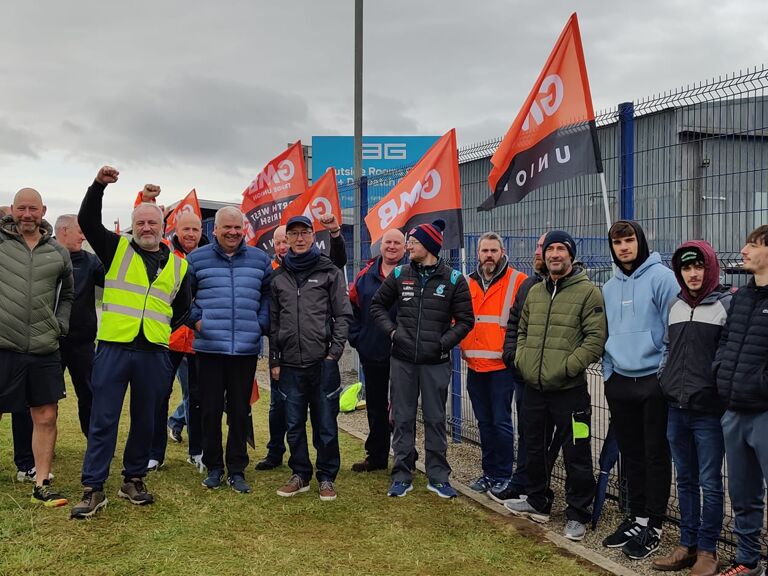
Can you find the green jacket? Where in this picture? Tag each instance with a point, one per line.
(562, 330)
(36, 291)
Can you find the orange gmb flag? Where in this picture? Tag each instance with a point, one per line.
(188, 204)
(553, 136)
(320, 199)
(282, 179)
(429, 191)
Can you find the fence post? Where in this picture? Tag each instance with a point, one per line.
(627, 160)
(456, 419)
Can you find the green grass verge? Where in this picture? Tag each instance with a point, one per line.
(191, 530)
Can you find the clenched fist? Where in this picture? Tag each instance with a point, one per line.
(107, 175)
(150, 192)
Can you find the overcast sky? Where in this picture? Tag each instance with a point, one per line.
(192, 94)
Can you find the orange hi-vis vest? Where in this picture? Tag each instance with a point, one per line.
(182, 338)
(483, 346)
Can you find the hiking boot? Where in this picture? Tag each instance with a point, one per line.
(268, 464)
(627, 530)
(442, 489)
(399, 489)
(742, 570)
(135, 491)
(295, 485)
(214, 479)
(706, 564)
(92, 502)
(574, 530)
(327, 491)
(238, 484)
(154, 465)
(29, 475)
(524, 509)
(681, 557)
(481, 484)
(175, 435)
(197, 462)
(644, 544)
(504, 493)
(46, 496)
(367, 466)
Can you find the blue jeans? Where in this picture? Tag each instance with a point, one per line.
(277, 425)
(696, 442)
(317, 388)
(746, 451)
(491, 394)
(178, 419)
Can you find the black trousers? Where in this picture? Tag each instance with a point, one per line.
(227, 378)
(555, 413)
(639, 417)
(77, 357)
(377, 410)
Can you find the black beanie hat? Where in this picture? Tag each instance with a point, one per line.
(431, 235)
(562, 237)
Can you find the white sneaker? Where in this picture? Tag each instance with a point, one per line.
(30, 475)
(197, 462)
(154, 465)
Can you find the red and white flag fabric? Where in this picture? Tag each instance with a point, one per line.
(188, 205)
(429, 191)
(281, 181)
(553, 136)
(320, 199)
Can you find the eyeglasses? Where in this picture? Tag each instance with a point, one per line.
(412, 242)
(306, 233)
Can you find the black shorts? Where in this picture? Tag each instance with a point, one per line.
(30, 380)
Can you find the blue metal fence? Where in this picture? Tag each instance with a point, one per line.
(687, 164)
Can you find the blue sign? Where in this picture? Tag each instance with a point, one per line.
(381, 154)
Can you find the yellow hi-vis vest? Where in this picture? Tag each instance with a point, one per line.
(131, 304)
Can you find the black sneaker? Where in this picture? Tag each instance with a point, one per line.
(507, 493)
(644, 544)
(92, 502)
(627, 530)
(135, 491)
(46, 496)
(268, 464)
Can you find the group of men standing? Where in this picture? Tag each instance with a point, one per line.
(683, 362)
(684, 368)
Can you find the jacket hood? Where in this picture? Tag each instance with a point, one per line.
(711, 271)
(8, 226)
(643, 252)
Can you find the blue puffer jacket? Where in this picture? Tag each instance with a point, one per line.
(231, 299)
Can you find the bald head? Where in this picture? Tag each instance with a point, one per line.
(28, 212)
(279, 241)
(28, 195)
(392, 246)
(188, 219)
(189, 229)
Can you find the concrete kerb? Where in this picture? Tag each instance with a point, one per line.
(528, 526)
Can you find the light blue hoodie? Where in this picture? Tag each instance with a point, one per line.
(637, 308)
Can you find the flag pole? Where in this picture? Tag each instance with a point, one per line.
(605, 201)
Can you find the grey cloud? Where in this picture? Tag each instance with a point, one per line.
(191, 120)
(15, 141)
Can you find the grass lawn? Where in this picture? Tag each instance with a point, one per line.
(190, 530)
